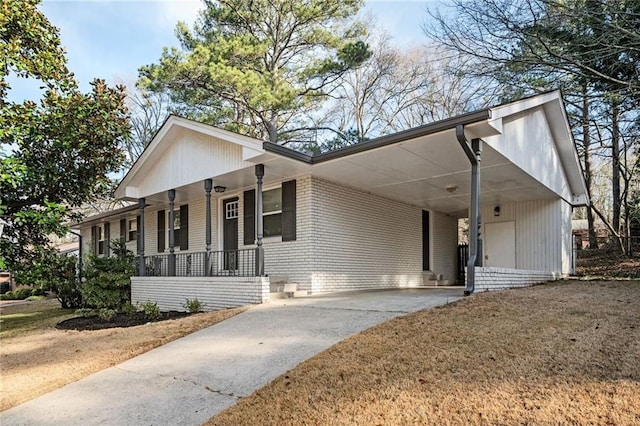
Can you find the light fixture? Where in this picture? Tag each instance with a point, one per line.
(219, 189)
(451, 188)
(496, 211)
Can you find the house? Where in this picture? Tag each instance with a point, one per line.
(224, 217)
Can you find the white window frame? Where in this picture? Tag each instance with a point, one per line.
(131, 229)
(176, 215)
(100, 237)
(273, 212)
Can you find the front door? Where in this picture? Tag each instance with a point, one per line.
(500, 244)
(230, 233)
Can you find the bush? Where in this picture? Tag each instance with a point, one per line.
(151, 310)
(64, 282)
(129, 308)
(108, 279)
(106, 314)
(19, 294)
(193, 306)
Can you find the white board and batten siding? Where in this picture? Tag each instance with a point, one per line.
(191, 157)
(542, 234)
(529, 132)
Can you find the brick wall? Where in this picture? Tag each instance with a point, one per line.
(491, 278)
(363, 241)
(170, 293)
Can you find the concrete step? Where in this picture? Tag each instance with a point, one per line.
(436, 283)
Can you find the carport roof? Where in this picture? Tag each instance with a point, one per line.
(528, 154)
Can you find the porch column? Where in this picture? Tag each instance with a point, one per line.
(474, 153)
(208, 184)
(259, 222)
(172, 243)
(141, 265)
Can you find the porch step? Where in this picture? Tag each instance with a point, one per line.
(435, 283)
(286, 290)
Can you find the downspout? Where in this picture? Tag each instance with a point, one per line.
(474, 153)
(77, 234)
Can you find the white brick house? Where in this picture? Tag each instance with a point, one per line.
(381, 214)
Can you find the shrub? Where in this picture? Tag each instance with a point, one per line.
(151, 310)
(64, 283)
(129, 308)
(193, 306)
(108, 279)
(84, 312)
(18, 294)
(106, 314)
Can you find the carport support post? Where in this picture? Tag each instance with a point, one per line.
(259, 222)
(208, 184)
(141, 265)
(474, 153)
(172, 242)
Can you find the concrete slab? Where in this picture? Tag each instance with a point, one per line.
(187, 381)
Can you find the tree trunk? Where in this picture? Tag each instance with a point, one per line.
(593, 238)
(615, 163)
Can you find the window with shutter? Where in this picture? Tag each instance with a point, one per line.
(123, 230)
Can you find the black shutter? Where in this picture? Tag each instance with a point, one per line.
(138, 230)
(123, 231)
(249, 202)
(184, 227)
(94, 240)
(289, 210)
(161, 227)
(107, 238)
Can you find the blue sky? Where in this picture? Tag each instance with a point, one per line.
(112, 39)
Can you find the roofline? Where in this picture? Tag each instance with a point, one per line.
(416, 132)
(105, 215)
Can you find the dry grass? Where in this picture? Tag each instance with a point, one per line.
(564, 353)
(35, 358)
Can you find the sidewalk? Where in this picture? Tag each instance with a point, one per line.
(191, 379)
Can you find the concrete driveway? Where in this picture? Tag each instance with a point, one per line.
(187, 381)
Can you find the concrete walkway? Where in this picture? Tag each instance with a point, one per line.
(187, 381)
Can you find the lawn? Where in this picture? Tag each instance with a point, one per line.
(35, 358)
(562, 353)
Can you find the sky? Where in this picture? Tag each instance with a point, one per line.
(112, 39)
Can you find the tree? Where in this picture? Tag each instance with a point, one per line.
(56, 154)
(257, 66)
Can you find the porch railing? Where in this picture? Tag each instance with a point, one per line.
(224, 263)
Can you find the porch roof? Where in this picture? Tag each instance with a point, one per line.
(528, 154)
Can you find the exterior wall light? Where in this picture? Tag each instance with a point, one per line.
(219, 189)
(451, 188)
(496, 211)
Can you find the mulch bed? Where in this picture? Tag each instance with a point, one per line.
(120, 320)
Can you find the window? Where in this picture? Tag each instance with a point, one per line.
(231, 210)
(133, 230)
(101, 239)
(176, 228)
(272, 212)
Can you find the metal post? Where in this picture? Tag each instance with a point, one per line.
(172, 243)
(141, 265)
(208, 184)
(474, 153)
(259, 221)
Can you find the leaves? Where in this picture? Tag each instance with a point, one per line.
(57, 153)
(257, 66)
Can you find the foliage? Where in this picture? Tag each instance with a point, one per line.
(129, 308)
(151, 310)
(64, 282)
(108, 279)
(84, 312)
(256, 67)
(57, 153)
(193, 306)
(21, 293)
(106, 314)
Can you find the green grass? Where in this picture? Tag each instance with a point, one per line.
(20, 319)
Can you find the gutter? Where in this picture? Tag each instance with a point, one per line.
(405, 135)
